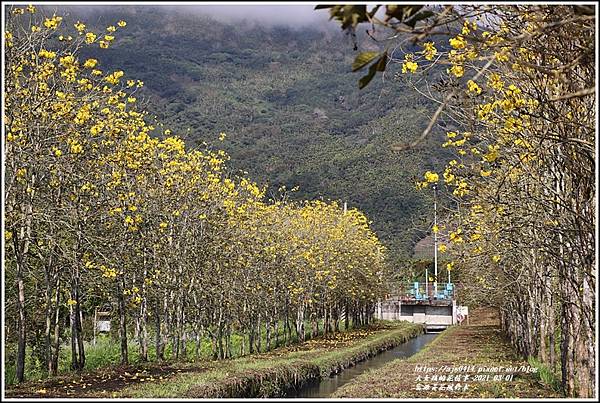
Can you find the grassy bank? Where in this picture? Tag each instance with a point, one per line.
(480, 345)
(260, 375)
(271, 375)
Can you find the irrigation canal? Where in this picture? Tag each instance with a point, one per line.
(325, 387)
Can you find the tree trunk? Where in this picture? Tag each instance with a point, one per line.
(346, 317)
(122, 321)
(158, 337)
(22, 325)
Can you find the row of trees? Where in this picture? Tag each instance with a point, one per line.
(522, 98)
(98, 210)
(517, 100)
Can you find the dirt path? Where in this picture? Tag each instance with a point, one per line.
(100, 383)
(476, 355)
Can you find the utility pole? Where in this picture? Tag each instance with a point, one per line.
(345, 207)
(427, 282)
(435, 230)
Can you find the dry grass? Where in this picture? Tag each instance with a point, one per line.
(480, 344)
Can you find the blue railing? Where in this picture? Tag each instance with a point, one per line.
(425, 291)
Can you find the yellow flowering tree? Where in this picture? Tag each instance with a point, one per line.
(517, 83)
(106, 213)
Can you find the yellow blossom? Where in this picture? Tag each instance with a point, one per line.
(80, 27)
(475, 237)
(76, 147)
(458, 42)
(46, 54)
(114, 77)
(90, 37)
(492, 154)
(53, 22)
(495, 82)
(465, 29)
(409, 66)
(429, 50)
(431, 177)
(457, 71)
(473, 87)
(90, 63)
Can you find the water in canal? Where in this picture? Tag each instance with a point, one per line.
(325, 387)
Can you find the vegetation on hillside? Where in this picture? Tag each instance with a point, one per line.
(286, 99)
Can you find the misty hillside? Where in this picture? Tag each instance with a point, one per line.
(290, 106)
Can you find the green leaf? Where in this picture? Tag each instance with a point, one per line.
(363, 59)
(418, 17)
(379, 65)
(382, 63)
(362, 83)
(401, 12)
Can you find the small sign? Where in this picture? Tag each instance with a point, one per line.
(461, 313)
(103, 325)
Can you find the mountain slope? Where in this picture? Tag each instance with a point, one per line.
(290, 107)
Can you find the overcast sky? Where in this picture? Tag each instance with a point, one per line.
(267, 14)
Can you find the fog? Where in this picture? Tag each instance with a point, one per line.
(268, 14)
(296, 15)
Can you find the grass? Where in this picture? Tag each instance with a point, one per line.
(106, 353)
(272, 374)
(545, 374)
(480, 344)
(268, 374)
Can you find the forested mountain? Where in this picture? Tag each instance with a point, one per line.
(289, 104)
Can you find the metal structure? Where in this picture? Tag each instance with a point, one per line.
(420, 292)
